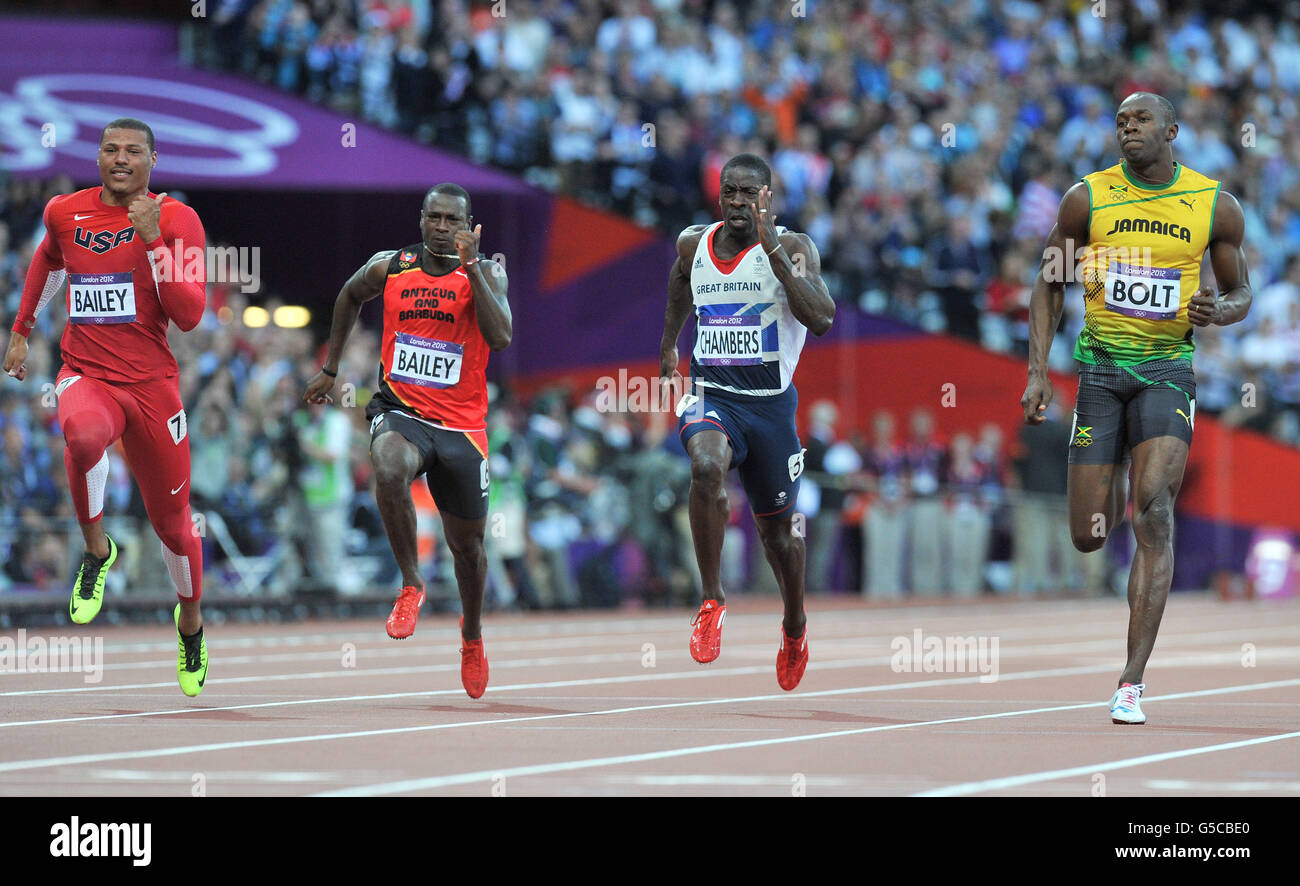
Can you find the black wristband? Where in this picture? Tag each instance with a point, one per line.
(330, 374)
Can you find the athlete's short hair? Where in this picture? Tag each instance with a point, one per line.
(752, 162)
(128, 123)
(450, 189)
(1166, 106)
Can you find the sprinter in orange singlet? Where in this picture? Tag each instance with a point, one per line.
(445, 308)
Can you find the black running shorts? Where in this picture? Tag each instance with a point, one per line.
(1121, 406)
(454, 462)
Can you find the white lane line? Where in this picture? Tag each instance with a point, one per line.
(888, 687)
(594, 681)
(850, 638)
(591, 681)
(703, 779)
(443, 781)
(374, 633)
(187, 776)
(20, 765)
(1172, 784)
(881, 618)
(1015, 781)
(1012, 652)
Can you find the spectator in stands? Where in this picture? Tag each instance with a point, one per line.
(324, 439)
(885, 526)
(959, 271)
(925, 460)
(827, 461)
(967, 523)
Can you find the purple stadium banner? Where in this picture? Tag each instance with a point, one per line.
(61, 81)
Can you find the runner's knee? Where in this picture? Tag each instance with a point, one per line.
(707, 472)
(778, 538)
(1084, 539)
(87, 436)
(1153, 524)
(175, 530)
(466, 551)
(392, 473)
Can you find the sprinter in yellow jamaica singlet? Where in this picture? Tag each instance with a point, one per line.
(1134, 236)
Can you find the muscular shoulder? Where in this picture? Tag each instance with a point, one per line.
(797, 240)
(1229, 222)
(1074, 212)
(376, 267)
(689, 240)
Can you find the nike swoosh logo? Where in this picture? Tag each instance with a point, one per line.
(80, 217)
(178, 488)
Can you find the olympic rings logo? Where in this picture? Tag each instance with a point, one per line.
(54, 99)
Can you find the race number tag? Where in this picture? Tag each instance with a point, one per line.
(1145, 292)
(101, 298)
(427, 362)
(730, 340)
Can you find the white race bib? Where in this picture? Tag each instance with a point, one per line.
(730, 340)
(101, 298)
(428, 362)
(1145, 292)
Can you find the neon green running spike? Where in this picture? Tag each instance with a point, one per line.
(88, 591)
(191, 658)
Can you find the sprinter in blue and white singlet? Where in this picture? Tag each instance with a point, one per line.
(755, 290)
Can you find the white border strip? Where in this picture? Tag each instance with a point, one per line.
(1015, 781)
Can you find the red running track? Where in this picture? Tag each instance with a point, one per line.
(611, 704)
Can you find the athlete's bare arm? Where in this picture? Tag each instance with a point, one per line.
(798, 266)
(47, 261)
(1047, 299)
(1229, 262)
(365, 284)
(680, 301)
(487, 280)
(16, 356)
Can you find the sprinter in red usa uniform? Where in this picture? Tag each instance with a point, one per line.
(132, 262)
(445, 309)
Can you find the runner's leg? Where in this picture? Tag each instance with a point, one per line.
(91, 418)
(157, 448)
(397, 462)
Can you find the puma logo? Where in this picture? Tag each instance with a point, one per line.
(1185, 416)
(1190, 204)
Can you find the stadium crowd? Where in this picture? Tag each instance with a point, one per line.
(923, 146)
